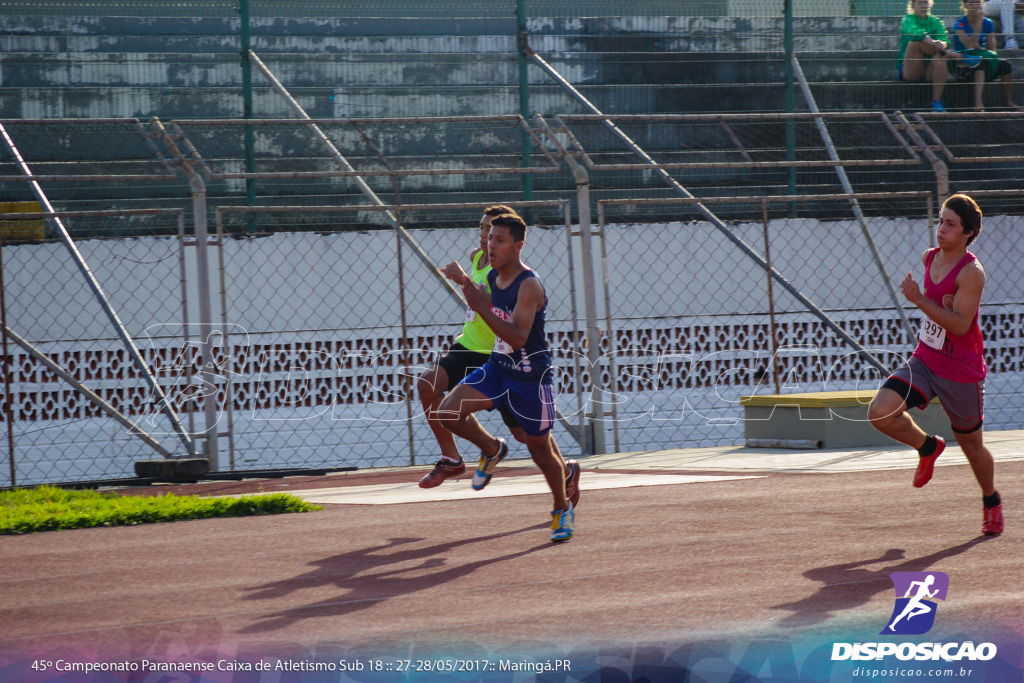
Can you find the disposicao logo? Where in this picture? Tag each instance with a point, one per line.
(914, 613)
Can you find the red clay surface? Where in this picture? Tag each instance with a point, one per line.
(776, 556)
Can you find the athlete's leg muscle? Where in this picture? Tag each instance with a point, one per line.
(973, 446)
(431, 387)
(456, 414)
(551, 465)
(888, 414)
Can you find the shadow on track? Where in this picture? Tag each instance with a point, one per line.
(850, 585)
(373, 575)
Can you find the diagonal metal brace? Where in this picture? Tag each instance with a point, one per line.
(360, 182)
(720, 225)
(101, 297)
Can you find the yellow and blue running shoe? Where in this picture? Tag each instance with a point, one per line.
(482, 477)
(562, 524)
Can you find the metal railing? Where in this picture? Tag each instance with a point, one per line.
(320, 315)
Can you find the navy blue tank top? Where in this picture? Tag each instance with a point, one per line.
(532, 362)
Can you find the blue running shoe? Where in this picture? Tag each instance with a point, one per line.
(562, 524)
(482, 477)
(938, 106)
(971, 60)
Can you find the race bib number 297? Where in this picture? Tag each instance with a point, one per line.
(932, 334)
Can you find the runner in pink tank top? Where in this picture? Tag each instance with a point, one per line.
(948, 362)
(960, 358)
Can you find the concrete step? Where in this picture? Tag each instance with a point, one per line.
(219, 69)
(396, 9)
(217, 102)
(890, 96)
(678, 34)
(546, 45)
(156, 26)
(230, 44)
(171, 102)
(388, 69)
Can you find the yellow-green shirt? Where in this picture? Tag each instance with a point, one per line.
(476, 334)
(914, 28)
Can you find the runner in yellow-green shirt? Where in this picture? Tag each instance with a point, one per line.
(470, 350)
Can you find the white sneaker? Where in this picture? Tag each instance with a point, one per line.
(1011, 44)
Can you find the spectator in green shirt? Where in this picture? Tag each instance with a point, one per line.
(923, 50)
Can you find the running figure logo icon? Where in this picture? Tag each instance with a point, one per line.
(914, 613)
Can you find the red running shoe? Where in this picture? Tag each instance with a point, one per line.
(993, 524)
(443, 469)
(926, 466)
(572, 482)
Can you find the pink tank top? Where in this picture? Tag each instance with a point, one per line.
(960, 359)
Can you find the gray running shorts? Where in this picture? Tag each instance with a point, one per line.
(964, 402)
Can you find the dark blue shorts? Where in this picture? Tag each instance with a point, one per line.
(532, 404)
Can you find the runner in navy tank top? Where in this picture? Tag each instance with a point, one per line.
(470, 351)
(518, 373)
(531, 362)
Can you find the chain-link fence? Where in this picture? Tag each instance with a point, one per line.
(694, 325)
(401, 161)
(322, 311)
(330, 328)
(694, 328)
(55, 431)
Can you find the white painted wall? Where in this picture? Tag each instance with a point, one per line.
(349, 281)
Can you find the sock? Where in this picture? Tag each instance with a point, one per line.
(991, 501)
(445, 458)
(930, 444)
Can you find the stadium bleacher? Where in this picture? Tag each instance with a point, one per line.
(154, 58)
(177, 67)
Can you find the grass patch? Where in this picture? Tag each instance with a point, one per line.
(48, 508)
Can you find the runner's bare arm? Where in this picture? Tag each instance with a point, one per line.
(970, 284)
(515, 332)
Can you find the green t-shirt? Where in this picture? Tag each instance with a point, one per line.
(914, 28)
(476, 334)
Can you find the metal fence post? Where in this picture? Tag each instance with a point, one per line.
(590, 306)
(250, 138)
(596, 442)
(524, 97)
(8, 397)
(405, 361)
(206, 374)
